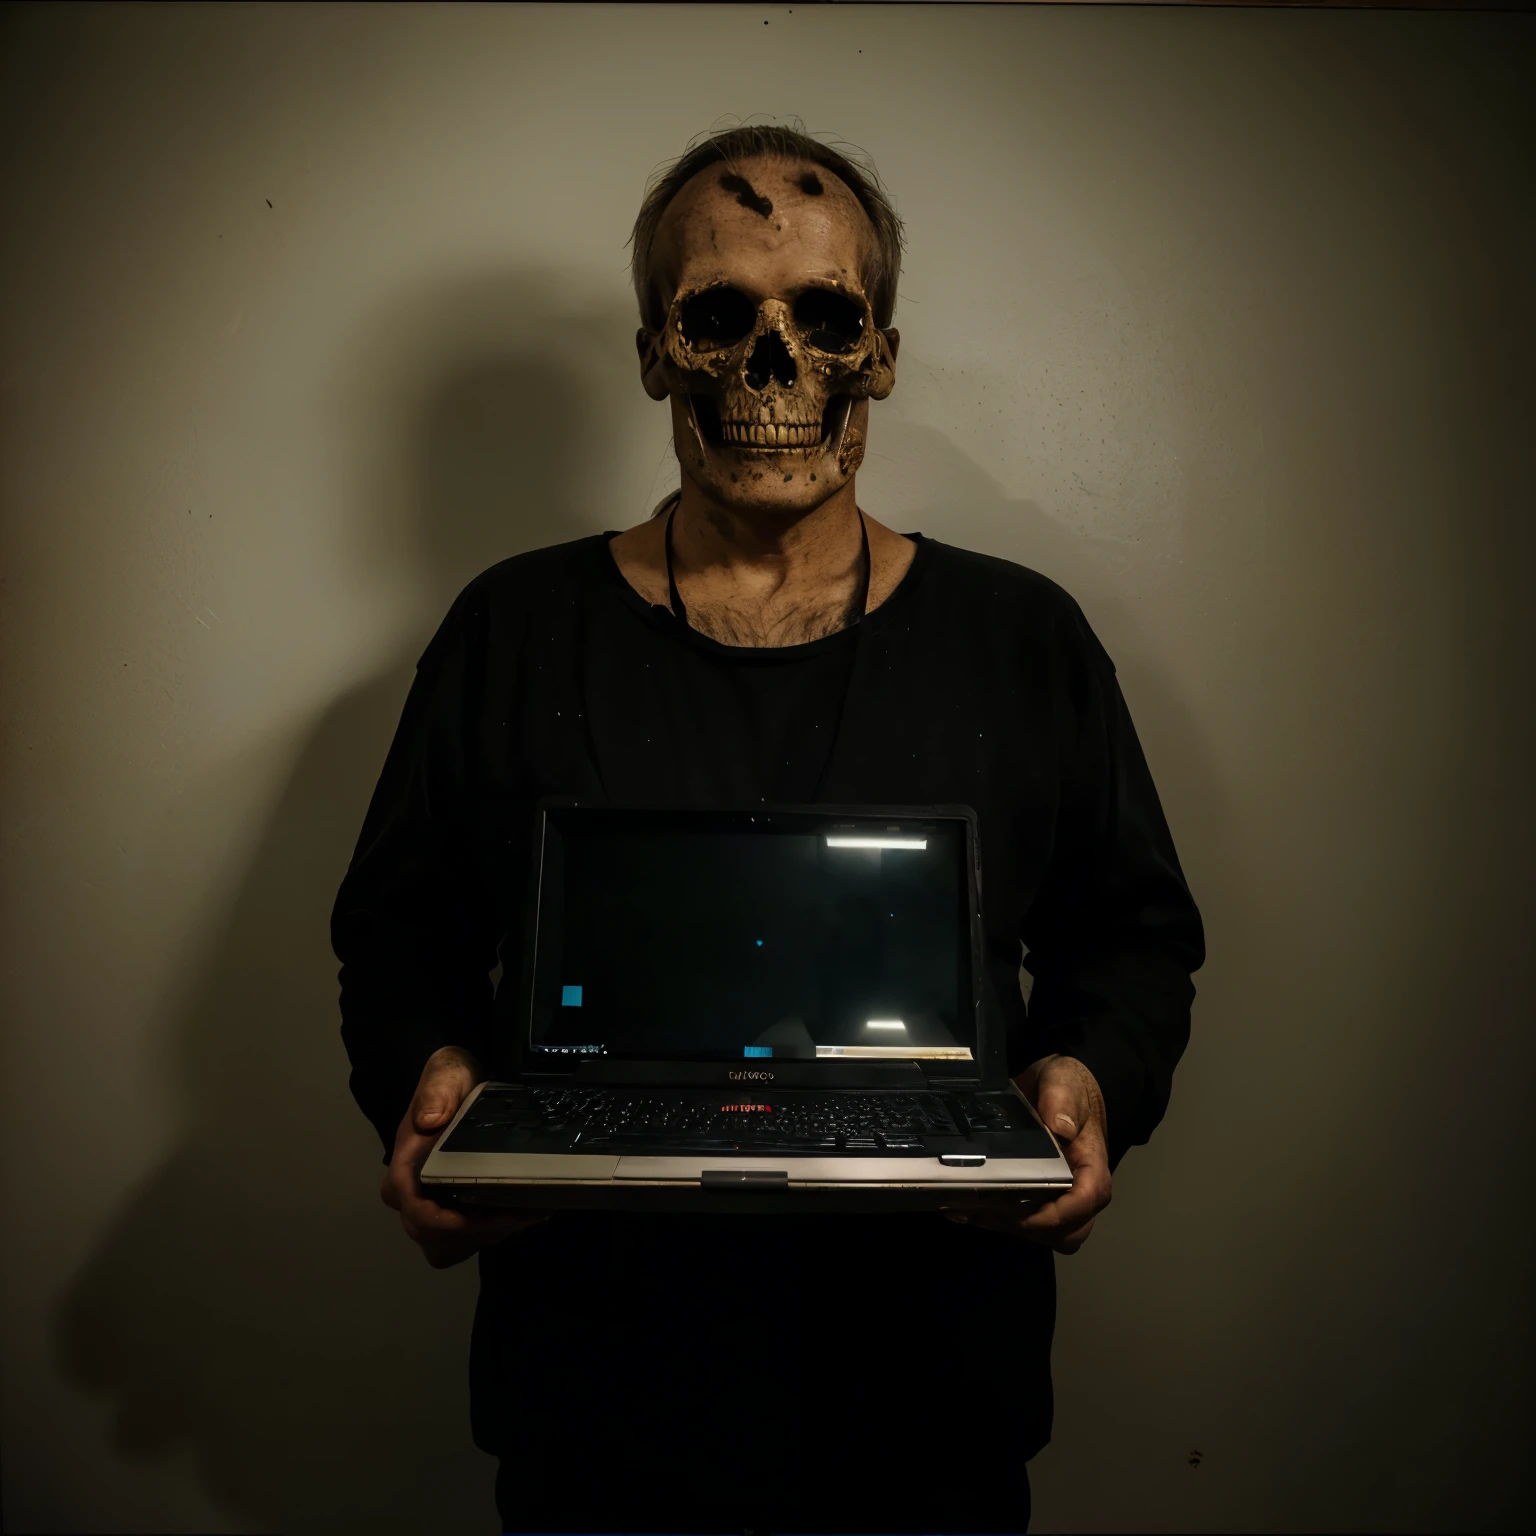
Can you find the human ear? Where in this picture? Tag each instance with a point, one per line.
(652, 372)
(880, 380)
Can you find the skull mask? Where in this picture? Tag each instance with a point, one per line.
(770, 348)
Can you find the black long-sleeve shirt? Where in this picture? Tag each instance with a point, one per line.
(977, 681)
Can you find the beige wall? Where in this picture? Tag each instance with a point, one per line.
(1219, 317)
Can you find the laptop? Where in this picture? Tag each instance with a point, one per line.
(773, 1009)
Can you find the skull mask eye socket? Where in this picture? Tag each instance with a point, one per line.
(718, 317)
(832, 322)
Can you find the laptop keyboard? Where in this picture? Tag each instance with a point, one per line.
(605, 1120)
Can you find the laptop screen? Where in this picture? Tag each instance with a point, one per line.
(670, 936)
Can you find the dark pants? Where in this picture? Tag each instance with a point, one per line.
(828, 1375)
(864, 1503)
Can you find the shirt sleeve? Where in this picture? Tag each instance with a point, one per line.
(1113, 935)
(412, 927)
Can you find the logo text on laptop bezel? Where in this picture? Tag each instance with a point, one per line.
(758, 1076)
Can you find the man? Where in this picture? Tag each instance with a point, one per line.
(764, 640)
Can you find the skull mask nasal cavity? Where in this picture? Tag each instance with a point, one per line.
(770, 362)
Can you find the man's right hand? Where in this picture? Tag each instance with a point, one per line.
(446, 1236)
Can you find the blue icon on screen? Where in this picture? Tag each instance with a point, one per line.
(570, 997)
(757, 1050)
(759, 943)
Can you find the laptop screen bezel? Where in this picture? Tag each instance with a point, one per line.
(988, 1051)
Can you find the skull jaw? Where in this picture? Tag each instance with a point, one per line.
(757, 480)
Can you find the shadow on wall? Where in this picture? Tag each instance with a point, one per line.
(255, 1300)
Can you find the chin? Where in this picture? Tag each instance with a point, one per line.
(757, 478)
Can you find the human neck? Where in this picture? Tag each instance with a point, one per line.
(765, 552)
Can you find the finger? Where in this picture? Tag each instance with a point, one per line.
(1092, 1188)
(428, 1214)
(412, 1149)
(1062, 1107)
(1089, 1195)
(1065, 1241)
(434, 1225)
(424, 1212)
(439, 1094)
(444, 1252)
(402, 1189)
(430, 1117)
(1007, 1218)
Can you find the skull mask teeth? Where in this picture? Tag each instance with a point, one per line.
(779, 378)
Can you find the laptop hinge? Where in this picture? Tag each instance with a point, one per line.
(739, 1075)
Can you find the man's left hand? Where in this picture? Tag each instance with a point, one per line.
(1066, 1097)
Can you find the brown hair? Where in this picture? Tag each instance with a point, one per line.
(748, 143)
